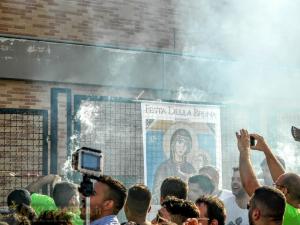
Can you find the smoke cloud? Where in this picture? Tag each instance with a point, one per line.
(249, 57)
(256, 41)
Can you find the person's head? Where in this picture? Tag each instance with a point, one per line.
(199, 185)
(236, 185)
(212, 210)
(266, 205)
(18, 197)
(66, 195)
(108, 199)
(138, 201)
(179, 210)
(289, 185)
(181, 144)
(266, 172)
(27, 211)
(173, 186)
(54, 217)
(212, 172)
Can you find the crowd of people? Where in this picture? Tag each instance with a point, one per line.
(195, 201)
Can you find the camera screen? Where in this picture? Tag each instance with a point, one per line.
(90, 161)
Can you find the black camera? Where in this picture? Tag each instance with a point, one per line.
(89, 162)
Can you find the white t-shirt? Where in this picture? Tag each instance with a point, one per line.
(225, 194)
(235, 215)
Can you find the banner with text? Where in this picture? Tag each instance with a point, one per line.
(178, 140)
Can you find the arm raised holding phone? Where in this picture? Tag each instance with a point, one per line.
(247, 174)
(287, 183)
(248, 177)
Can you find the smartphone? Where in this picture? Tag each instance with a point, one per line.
(252, 141)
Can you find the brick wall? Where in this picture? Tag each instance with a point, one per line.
(171, 25)
(23, 94)
(134, 22)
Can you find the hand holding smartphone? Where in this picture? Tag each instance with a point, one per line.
(252, 141)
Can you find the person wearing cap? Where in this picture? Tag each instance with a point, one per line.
(18, 197)
(65, 197)
(18, 202)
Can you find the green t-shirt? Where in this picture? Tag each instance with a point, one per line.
(76, 220)
(41, 203)
(291, 215)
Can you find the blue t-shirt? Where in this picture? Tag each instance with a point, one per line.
(107, 220)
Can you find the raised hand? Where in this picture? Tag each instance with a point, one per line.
(260, 145)
(248, 177)
(243, 140)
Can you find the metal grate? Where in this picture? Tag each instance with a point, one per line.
(115, 127)
(23, 148)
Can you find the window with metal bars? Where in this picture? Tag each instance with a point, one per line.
(23, 148)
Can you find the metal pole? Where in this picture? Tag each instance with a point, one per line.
(87, 211)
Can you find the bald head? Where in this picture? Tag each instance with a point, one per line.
(292, 182)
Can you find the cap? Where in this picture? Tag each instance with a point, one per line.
(18, 197)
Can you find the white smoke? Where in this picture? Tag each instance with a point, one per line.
(85, 115)
(256, 40)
